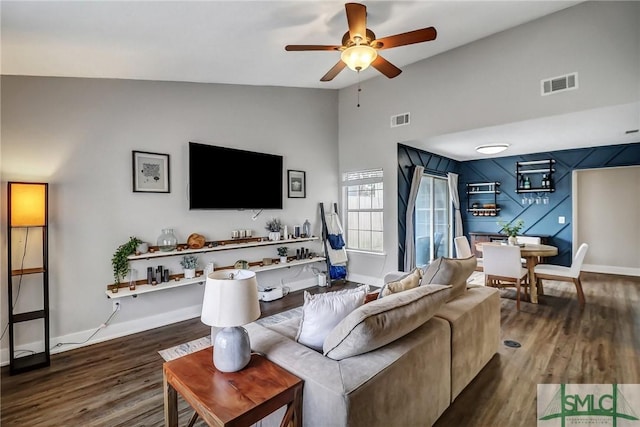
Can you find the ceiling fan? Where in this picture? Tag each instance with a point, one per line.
(359, 45)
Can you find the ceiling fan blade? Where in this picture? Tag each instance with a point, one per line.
(298, 47)
(357, 20)
(385, 67)
(411, 37)
(333, 71)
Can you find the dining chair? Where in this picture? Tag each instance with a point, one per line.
(530, 240)
(463, 250)
(502, 267)
(565, 274)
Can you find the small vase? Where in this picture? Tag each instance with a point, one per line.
(189, 273)
(167, 241)
(274, 235)
(306, 228)
(513, 240)
(283, 260)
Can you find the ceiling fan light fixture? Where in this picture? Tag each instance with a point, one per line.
(491, 148)
(358, 57)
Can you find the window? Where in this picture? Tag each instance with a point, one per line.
(363, 196)
(432, 219)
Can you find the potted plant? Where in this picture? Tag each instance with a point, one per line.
(283, 251)
(120, 260)
(189, 263)
(511, 230)
(274, 225)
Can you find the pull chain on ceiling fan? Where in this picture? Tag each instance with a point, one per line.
(359, 47)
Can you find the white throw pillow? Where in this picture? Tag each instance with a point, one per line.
(322, 312)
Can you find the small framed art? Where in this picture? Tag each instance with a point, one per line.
(150, 172)
(297, 184)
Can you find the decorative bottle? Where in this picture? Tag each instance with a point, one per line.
(306, 228)
(167, 241)
(527, 183)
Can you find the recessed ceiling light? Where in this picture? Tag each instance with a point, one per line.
(491, 148)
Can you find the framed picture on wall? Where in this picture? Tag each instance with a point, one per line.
(150, 172)
(297, 184)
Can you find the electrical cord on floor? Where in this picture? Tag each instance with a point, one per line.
(102, 326)
(13, 305)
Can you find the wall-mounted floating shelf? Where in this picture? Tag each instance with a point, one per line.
(178, 280)
(222, 245)
(535, 176)
(481, 205)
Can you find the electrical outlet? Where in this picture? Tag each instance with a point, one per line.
(561, 220)
(116, 306)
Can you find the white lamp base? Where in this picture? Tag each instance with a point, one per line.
(231, 349)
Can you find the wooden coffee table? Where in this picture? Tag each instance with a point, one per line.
(230, 399)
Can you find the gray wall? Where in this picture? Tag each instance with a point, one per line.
(489, 82)
(78, 134)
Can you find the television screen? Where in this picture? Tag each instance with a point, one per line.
(227, 178)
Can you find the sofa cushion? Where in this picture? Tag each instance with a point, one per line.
(410, 281)
(450, 271)
(322, 312)
(382, 321)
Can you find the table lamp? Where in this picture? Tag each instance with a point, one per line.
(230, 301)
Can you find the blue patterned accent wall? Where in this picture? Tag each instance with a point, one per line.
(539, 219)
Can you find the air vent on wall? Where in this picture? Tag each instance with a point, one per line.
(559, 84)
(400, 120)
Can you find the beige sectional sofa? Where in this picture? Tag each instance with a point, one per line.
(431, 342)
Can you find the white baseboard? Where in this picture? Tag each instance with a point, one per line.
(111, 331)
(610, 269)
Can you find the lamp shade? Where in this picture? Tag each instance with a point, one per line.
(230, 298)
(358, 57)
(28, 204)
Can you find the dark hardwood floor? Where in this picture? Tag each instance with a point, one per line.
(119, 383)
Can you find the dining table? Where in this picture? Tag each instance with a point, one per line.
(532, 253)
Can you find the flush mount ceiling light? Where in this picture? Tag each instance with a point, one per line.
(491, 148)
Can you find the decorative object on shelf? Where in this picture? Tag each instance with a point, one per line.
(306, 228)
(241, 265)
(511, 230)
(120, 261)
(133, 277)
(150, 172)
(282, 252)
(167, 241)
(208, 269)
(196, 241)
(274, 225)
(297, 184)
(230, 301)
(189, 263)
(142, 248)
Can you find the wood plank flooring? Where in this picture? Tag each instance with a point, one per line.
(119, 383)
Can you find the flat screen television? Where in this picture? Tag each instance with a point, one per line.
(228, 178)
